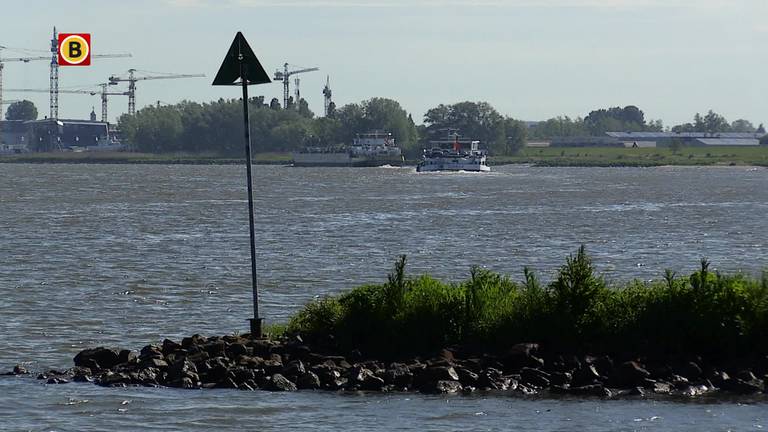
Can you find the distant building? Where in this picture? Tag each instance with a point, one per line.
(584, 141)
(56, 135)
(693, 139)
(13, 136)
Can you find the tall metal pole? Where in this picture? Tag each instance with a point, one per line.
(256, 321)
(241, 63)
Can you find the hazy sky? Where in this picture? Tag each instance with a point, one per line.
(531, 59)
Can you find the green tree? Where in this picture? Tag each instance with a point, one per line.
(711, 122)
(714, 122)
(387, 114)
(516, 132)
(629, 118)
(304, 110)
(562, 126)
(274, 104)
(154, 129)
(290, 135)
(21, 110)
(475, 120)
(742, 125)
(326, 131)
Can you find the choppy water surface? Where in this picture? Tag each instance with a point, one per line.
(99, 254)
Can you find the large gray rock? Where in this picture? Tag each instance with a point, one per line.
(467, 377)
(170, 346)
(534, 377)
(98, 358)
(629, 374)
(493, 379)
(398, 375)
(194, 340)
(308, 381)
(294, 368)
(522, 355)
(151, 351)
(280, 383)
(20, 370)
(111, 379)
(180, 370)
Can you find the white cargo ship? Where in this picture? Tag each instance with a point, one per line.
(454, 159)
(374, 148)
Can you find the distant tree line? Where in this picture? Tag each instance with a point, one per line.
(631, 118)
(215, 127)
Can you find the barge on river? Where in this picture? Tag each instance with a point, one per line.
(374, 148)
(455, 158)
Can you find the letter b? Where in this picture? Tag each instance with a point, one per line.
(75, 49)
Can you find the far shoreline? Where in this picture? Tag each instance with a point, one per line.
(607, 157)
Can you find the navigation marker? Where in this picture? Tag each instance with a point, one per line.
(241, 67)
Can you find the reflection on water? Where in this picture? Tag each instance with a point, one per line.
(99, 254)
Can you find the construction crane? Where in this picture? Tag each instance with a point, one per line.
(54, 76)
(13, 59)
(103, 92)
(285, 76)
(327, 94)
(132, 78)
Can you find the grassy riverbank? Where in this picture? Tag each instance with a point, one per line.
(706, 313)
(620, 156)
(546, 156)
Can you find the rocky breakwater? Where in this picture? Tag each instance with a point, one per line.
(234, 362)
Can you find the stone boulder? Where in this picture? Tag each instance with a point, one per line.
(280, 383)
(308, 381)
(19, 370)
(398, 375)
(585, 375)
(98, 358)
(534, 377)
(522, 355)
(629, 374)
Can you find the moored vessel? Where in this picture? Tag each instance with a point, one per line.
(373, 148)
(455, 158)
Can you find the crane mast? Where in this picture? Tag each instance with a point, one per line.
(285, 76)
(54, 76)
(327, 94)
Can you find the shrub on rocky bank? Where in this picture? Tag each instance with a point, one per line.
(683, 336)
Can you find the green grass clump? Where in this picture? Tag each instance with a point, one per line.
(705, 313)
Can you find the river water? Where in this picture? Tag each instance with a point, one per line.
(131, 254)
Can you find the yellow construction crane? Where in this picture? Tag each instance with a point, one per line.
(132, 78)
(285, 76)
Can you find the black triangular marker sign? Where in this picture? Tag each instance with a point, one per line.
(229, 72)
